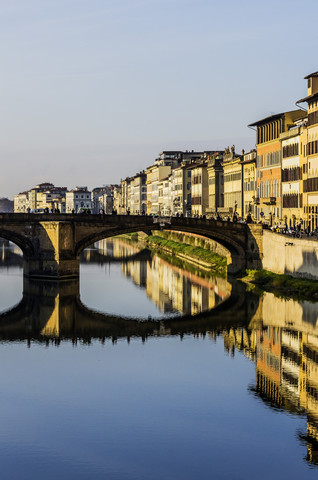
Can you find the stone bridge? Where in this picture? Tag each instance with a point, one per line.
(52, 243)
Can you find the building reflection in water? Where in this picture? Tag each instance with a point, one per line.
(172, 288)
(282, 338)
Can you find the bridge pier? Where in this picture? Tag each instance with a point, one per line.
(53, 254)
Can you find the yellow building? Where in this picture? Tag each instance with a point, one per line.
(232, 173)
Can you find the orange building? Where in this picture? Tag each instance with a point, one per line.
(269, 164)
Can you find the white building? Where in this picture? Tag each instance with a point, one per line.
(42, 196)
(138, 194)
(78, 198)
(21, 202)
(181, 191)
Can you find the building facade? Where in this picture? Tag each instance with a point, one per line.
(42, 196)
(310, 163)
(232, 173)
(199, 189)
(292, 175)
(269, 163)
(249, 184)
(181, 190)
(216, 183)
(77, 199)
(139, 194)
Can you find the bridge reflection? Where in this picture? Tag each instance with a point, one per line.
(53, 311)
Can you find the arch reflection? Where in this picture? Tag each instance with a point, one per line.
(54, 311)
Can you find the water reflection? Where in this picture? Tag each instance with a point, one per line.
(54, 311)
(279, 335)
(10, 255)
(282, 338)
(171, 286)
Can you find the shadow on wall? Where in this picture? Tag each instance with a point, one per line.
(309, 266)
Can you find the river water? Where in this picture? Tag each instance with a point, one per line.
(148, 369)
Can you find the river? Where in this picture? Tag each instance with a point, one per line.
(151, 369)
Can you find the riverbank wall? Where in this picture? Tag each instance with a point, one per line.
(283, 254)
(280, 254)
(194, 241)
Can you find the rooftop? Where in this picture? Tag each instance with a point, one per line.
(272, 118)
(314, 96)
(315, 74)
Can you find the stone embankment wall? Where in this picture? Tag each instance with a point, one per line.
(292, 256)
(194, 240)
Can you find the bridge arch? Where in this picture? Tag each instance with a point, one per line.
(21, 241)
(233, 246)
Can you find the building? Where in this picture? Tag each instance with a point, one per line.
(181, 190)
(166, 199)
(97, 198)
(138, 194)
(232, 174)
(269, 164)
(249, 184)
(292, 173)
(117, 198)
(310, 153)
(199, 188)
(163, 166)
(216, 183)
(44, 195)
(21, 202)
(124, 207)
(161, 169)
(77, 199)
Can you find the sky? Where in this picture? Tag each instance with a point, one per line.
(92, 91)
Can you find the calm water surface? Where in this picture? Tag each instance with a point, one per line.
(88, 394)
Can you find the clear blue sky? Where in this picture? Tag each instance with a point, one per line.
(91, 91)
